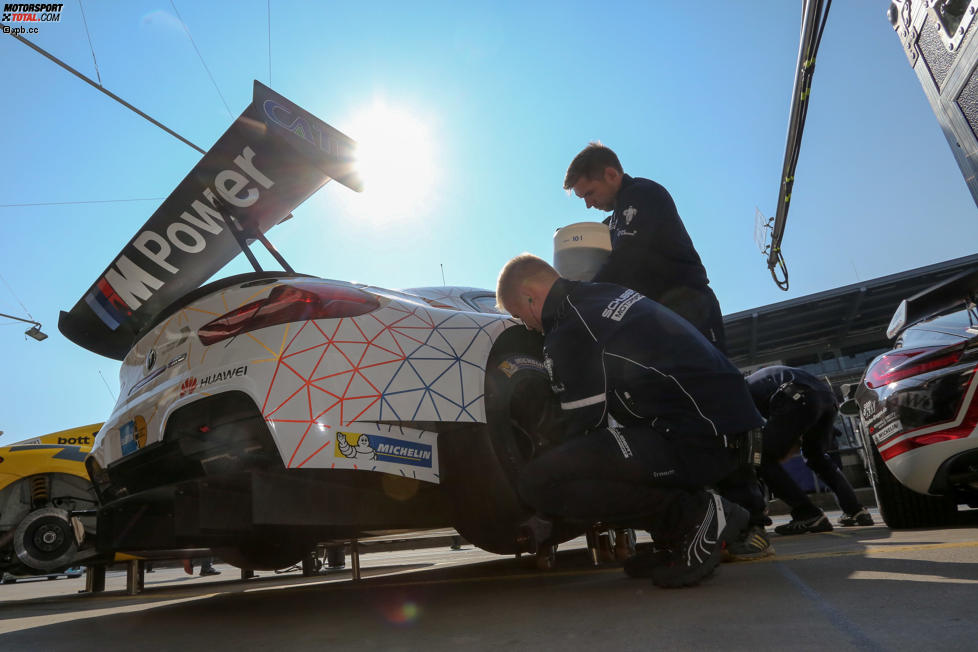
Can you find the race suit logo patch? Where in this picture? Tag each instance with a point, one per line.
(626, 450)
(618, 307)
(629, 213)
(548, 364)
(382, 449)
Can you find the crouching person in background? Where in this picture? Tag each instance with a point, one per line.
(800, 409)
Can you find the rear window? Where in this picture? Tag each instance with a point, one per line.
(484, 303)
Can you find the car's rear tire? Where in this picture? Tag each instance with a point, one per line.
(480, 464)
(903, 508)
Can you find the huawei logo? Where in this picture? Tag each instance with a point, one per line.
(188, 387)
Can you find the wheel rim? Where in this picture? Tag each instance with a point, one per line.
(45, 540)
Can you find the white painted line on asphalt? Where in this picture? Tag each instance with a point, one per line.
(908, 577)
(867, 551)
(18, 624)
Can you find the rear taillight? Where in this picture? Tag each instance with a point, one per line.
(290, 303)
(904, 363)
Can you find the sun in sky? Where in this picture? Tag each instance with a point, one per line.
(396, 156)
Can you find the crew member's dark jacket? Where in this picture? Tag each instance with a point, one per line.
(609, 350)
(776, 387)
(651, 252)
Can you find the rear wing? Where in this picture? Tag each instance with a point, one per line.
(273, 157)
(957, 290)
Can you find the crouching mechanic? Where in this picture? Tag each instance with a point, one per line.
(800, 409)
(655, 404)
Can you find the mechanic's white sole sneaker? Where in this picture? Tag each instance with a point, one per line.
(697, 555)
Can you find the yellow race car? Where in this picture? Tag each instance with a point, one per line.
(47, 502)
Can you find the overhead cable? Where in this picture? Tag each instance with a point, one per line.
(26, 311)
(92, 47)
(268, 6)
(90, 201)
(115, 97)
(201, 57)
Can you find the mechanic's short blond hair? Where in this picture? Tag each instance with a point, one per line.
(518, 271)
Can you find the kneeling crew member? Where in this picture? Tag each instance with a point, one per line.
(652, 400)
(800, 408)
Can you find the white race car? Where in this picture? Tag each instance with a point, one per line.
(266, 412)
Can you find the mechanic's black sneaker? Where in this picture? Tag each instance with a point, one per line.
(209, 571)
(697, 554)
(753, 543)
(862, 517)
(645, 559)
(818, 523)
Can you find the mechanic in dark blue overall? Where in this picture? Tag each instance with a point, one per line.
(656, 409)
(800, 408)
(651, 252)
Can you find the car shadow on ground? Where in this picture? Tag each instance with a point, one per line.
(179, 588)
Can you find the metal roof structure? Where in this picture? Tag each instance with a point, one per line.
(844, 321)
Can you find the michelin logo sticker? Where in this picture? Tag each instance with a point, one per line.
(382, 449)
(388, 449)
(360, 449)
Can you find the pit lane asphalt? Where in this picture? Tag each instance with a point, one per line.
(863, 588)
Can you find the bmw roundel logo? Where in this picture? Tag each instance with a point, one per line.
(151, 359)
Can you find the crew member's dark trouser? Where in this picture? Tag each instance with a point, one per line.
(741, 487)
(810, 421)
(698, 306)
(638, 476)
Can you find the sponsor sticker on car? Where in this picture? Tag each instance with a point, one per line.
(132, 435)
(387, 449)
(880, 435)
(383, 449)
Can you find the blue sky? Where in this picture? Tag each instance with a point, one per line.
(694, 96)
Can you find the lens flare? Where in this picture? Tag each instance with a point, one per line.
(403, 613)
